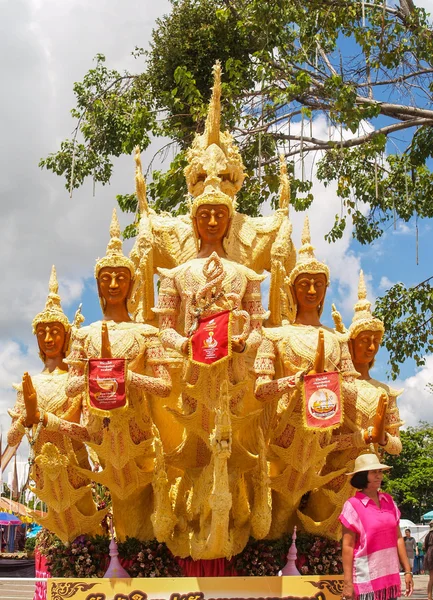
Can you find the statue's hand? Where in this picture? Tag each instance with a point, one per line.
(30, 401)
(319, 359)
(105, 342)
(184, 348)
(238, 346)
(378, 434)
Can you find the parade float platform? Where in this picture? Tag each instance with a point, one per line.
(200, 588)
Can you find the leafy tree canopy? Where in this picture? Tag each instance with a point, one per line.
(410, 480)
(364, 67)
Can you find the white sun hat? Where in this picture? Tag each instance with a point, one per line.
(367, 462)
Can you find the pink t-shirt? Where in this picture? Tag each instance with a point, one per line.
(376, 565)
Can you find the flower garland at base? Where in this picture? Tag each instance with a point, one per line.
(89, 556)
(316, 556)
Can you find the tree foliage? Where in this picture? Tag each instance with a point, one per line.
(344, 82)
(409, 482)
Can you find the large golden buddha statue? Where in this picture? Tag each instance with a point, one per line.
(303, 345)
(68, 496)
(222, 496)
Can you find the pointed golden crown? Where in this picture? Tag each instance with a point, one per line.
(53, 309)
(215, 171)
(114, 256)
(363, 319)
(306, 261)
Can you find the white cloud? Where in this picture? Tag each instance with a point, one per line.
(416, 403)
(385, 283)
(46, 45)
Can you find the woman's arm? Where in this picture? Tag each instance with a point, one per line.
(347, 555)
(401, 549)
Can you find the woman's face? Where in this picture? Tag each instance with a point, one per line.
(375, 479)
(310, 290)
(114, 284)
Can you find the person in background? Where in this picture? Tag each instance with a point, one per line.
(428, 560)
(373, 546)
(411, 547)
(419, 560)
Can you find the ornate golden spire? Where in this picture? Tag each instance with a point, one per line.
(215, 170)
(53, 309)
(213, 120)
(140, 183)
(363, 319)
(284, 192)
(306, 261)
(114, 256)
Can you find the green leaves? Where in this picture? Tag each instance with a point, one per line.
(407, 314)
(409, 481)
(284, 64)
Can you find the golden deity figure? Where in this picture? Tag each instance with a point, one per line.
(165, 241)
(371, 423)
(67, 494)
(221, 496)
(297, 452)
(121, 434)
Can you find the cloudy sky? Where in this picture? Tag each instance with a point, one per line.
(46, 46)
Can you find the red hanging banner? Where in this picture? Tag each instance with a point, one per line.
(210, 343)
(322, 401)
(106, 383)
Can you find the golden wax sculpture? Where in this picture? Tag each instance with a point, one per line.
(215, 170)
(296, 455)
(67, 494)
(204, 455)
(371, 420)
(124, 438)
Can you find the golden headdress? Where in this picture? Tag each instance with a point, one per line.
(52, 312)
(114, 256)
(215, 170)
(306, 261)
(363, 319)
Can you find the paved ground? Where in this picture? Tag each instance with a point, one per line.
(23, 589)
(17, 589)
(420, 583)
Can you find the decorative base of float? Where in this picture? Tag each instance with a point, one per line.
(200, 588)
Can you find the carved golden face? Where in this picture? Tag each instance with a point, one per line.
(365, 346)
(114, 284)
(212, 222)
(51, 339)
(310, 290)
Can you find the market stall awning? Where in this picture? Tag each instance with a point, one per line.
(428, 516)
(8, 519)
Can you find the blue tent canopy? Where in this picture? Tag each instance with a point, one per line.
(428, 516)
(7, 519)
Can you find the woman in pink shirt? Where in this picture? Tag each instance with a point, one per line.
(373, 547)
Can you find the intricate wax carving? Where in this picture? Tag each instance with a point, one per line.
(297, 455)
(360, 415)
(68, 496)
(214, 174)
